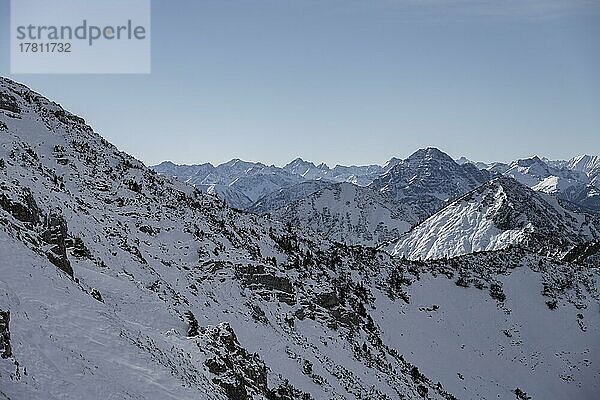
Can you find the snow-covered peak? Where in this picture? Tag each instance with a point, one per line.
(590, 165)
(463, 160)
(391, 163)
(529, 162)
(570, 185)
(299, 167)
(584, 163)
(496, 215)
(430, 153)
(428, 178)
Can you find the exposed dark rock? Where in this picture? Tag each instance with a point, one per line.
(9, 102)
(258, 278)
(327, 300)
(25, 209)
(579, 253)
(242, 375)
(5, 349)
(97, 295)
(274, 282)
(55, 233)
(147, 229)
(80, 249)
(68, 118)
(238, 372)
(193, 324)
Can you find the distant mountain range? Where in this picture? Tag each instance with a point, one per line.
(411, 190)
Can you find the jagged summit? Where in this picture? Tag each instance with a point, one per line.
(300, 167)
(432, 153)
(528, 162)
(429, 178)
(391, 163)
(584, 162)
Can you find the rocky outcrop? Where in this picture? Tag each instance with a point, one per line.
(266, 283)
(23, 209)
(242, 375)
(192, 330)
(21, 205)
(9, 103)
(55, 233)
(5, 349)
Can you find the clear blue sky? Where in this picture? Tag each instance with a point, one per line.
(349, 81)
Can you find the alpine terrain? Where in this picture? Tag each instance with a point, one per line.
(421, 279)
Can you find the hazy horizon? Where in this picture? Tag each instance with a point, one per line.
(381, 163)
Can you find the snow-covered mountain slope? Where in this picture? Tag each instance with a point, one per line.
(582, 199)
(571, 185)
(255, 186)
(357, 175)
(350, 214)
(288, 195)
(496, 215)
(116, 282)
(121, 283)
(230, 195)
(513, 343)
(538, 175)
(429, 178)
(590, 165)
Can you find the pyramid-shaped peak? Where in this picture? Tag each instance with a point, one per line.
(430, 153)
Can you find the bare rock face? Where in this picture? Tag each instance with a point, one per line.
(238, 372)
(23, 209)
(20, 203)
(242, 375)
(9, 103)
(5, 349)
(263, 280)
(56, 233)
